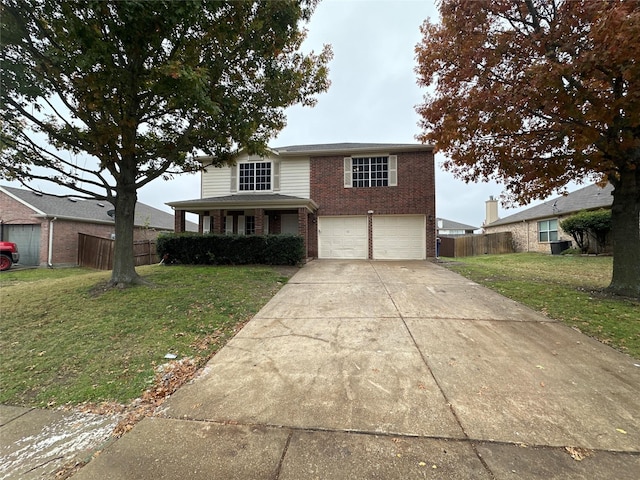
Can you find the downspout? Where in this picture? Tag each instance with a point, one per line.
(50, 253)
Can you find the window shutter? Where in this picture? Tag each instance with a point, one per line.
(240, 224)
(393, 170)
(228, 225)
(234, 179)
(348, 173)
(275, 166)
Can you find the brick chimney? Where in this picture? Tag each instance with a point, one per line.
(491, 214)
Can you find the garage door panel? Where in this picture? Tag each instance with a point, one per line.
(399, 237)
(343, 237)
(27, 237)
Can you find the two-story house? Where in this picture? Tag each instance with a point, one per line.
(347, 200)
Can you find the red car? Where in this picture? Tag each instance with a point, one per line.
(8, 255)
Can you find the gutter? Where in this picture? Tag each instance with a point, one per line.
(50, 253)
(205, 204)
(100, 222)
(358, 150)
(328, 150)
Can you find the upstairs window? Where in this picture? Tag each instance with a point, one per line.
(378, 171)
(548, 231)
(254, 176)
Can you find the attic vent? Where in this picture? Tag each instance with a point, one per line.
(101, 204)
(73, 200)
(38, 194)
(111, 213)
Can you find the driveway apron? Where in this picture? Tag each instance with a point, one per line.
(394, 370)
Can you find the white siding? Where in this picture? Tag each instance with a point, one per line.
(294, 178)
(216, 182)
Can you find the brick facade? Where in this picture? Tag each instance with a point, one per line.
(525, 236)
(414, 193)
(14, 212)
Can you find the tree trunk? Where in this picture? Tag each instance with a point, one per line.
(124, 270)
(625, 229)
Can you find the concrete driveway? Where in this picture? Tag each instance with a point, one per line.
(393, 370)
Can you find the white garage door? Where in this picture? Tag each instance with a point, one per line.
(343, 237)
(399, 237)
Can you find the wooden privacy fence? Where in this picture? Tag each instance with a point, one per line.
(470, 245)
(97, 252)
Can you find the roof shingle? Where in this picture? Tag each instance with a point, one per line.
(89, 210)
(451, 225)
(348, 148)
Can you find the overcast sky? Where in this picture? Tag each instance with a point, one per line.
(371, 99)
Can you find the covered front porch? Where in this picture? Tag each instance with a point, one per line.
(252, 214)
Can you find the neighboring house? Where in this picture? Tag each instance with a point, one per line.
(535, 228)
(448, 228)
(46, 227)
(347, 200)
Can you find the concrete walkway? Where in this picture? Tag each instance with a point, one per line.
(35, 443)
(393, 370)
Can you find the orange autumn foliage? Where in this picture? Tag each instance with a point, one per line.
(538, 93)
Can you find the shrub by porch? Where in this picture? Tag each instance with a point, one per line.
(197, 249)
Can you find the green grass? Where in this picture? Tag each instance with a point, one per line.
(564, 287)
(66, 339)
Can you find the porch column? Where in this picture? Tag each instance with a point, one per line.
(180, 221)
(303, 229)
(259, 215)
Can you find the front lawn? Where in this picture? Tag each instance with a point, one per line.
(67, 340)
(565, 287)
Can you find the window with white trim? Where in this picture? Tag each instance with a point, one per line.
(548, 231)
(254, 176)
(373, 171)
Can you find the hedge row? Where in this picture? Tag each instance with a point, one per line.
(189, 248)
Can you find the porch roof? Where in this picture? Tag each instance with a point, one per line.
(268, 201)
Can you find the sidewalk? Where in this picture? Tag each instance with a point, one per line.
(35, 443)
(393, 370)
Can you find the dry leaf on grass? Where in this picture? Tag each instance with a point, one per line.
(169, 377)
